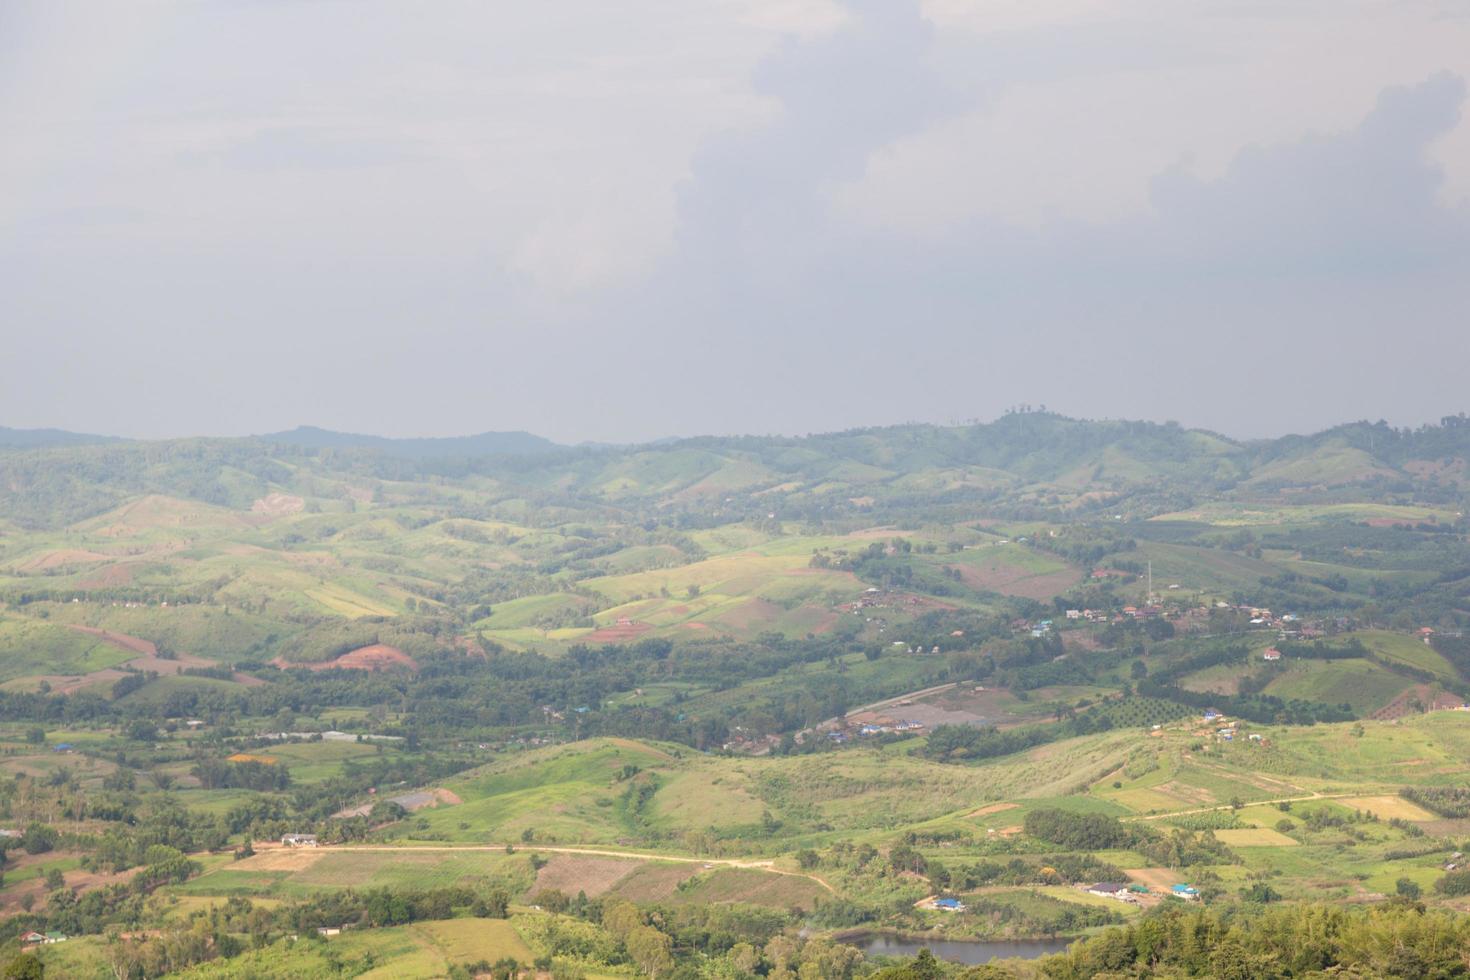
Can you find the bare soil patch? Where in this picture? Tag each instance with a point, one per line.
(1416, 700)
(571, 873)
(653, 882)
(77, 880)
(752, 614)
(278, 505)
(119, 640)
(985, 811)
(110, 577)
(274, 857)
(1010, 580)
(378, 656)
(620, 633)
(71, 684)
(60, 558)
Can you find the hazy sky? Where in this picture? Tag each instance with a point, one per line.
(620, 221)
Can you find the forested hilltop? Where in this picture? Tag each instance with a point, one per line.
(1024, 459)
(316, 704)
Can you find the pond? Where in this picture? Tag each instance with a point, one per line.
(970, 952)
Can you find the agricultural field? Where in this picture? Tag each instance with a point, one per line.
(757, 688)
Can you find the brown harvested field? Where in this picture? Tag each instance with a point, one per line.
(275, 857)
(751, 614)
(379, 656)
(66, 683)
(653, 882)
(119, 640)
(986, 811)
(1010, 580)
(150, 660)
(1388, 807)
(376, 657)
(620, 633)
(60, 558)
(1415, 700)
(110, 577)
(956, 706)
(1255, 837)
(753, 887)
(77, 880)
(571, 873)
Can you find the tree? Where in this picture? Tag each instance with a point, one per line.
(651, 950)
(1408, 888)
(26, 966)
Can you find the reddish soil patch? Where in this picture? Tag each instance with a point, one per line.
(77, 880)
(72, 683)
(621, 633)
(120, 640)
(986, 811)
(379, 656)
(150, 660)
(1010, 580)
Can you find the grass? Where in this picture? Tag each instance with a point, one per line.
(424, 949)
(1255, 837)
(1363, 685)
(29, 648)
(747, 886)
(1409, 651)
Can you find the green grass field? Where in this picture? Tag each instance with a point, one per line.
(1365, 686)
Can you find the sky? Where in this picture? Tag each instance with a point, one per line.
(621, 222)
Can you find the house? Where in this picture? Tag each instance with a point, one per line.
(34, 938)
(1211, 714)
(62, 747)
(1186, 892)
(1108, 889)
(949, 905)
(12, 833)
(1271, 654)
(1074, 613)
(299, 840)
(328, 930)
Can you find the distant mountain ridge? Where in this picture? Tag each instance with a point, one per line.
(481, 444)
(1032, 463)
(45, 438)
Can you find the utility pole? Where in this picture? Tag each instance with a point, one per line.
(1150, 600)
